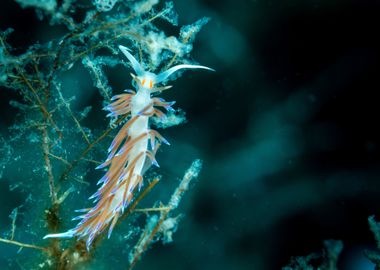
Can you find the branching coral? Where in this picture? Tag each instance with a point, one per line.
(326, 260)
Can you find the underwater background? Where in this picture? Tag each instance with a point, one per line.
(287, 129)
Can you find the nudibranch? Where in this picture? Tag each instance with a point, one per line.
(131, 152)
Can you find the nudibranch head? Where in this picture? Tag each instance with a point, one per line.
(146, 79)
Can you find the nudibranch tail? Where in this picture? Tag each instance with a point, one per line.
(67, 234)
(130, 154)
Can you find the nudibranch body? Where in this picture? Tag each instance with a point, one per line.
(131, 152)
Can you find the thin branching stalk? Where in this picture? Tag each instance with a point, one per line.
(48, 167)
(84, 153)
(24, 245)
(155, 226)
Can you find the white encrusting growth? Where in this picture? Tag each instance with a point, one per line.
(131, 153)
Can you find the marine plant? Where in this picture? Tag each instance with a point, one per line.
(48, 155)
